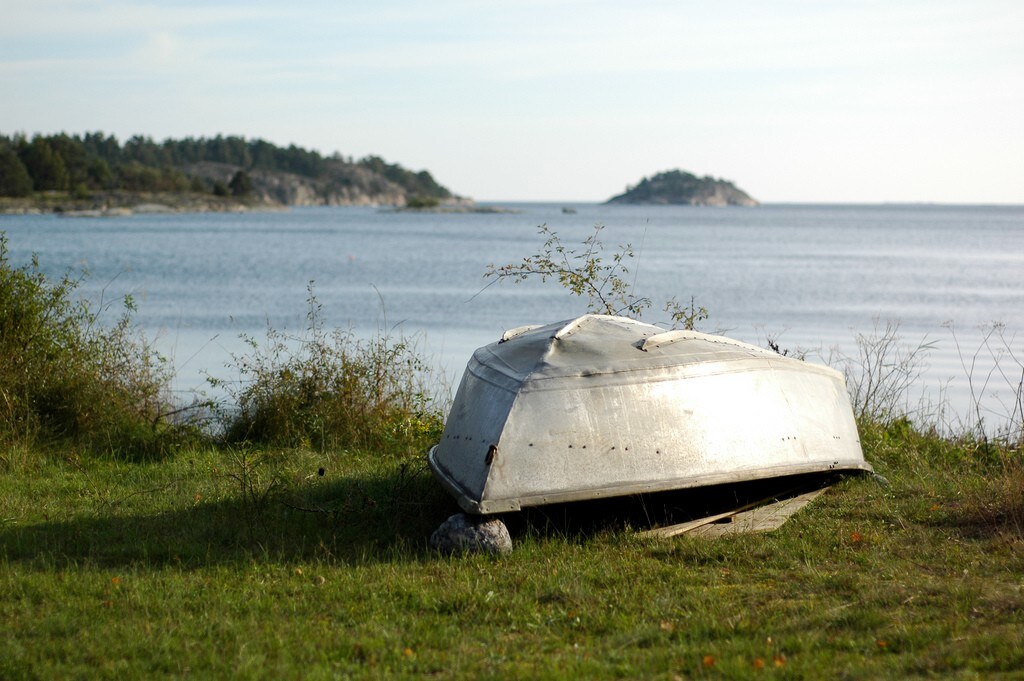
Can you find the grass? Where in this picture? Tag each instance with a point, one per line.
(254, 565)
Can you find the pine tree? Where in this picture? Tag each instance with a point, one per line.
(14, 178)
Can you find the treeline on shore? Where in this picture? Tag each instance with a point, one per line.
(222, 166)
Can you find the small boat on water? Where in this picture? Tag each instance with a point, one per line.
(602, 406)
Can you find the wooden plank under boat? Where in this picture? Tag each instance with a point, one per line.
(602, 406)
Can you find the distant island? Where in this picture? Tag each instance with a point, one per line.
(677, 187)
(94, 174)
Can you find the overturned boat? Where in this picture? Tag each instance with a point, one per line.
(603, 406)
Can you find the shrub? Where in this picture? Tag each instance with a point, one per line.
(330, 390)
(241, 184)
(586, 274)
(418, 201)
(65, 379)
(880, 377)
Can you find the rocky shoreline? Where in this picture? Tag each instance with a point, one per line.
(124, 204)
(120, 204)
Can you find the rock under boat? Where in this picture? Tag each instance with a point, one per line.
(602, 406)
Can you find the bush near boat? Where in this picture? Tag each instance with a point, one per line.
(307, 557)
(68, 380)
(329, 390)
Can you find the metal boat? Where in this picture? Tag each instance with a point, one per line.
(602, 406)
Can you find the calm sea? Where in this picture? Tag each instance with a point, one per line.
(809, 276)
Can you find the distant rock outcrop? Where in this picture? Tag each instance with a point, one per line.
(678, 187)
(337, 184)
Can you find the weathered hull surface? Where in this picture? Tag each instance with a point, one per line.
(605, 406)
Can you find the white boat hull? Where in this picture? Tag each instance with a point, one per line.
(604, 406)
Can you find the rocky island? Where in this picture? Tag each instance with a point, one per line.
(678, 187)
(95, 174)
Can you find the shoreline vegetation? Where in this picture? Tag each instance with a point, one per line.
(284, 533)
(94, 175)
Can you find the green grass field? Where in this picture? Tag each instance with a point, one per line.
(253, 565)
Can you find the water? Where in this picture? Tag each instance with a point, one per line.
(808, 276)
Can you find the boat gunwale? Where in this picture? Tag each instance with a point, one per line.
(504, 505)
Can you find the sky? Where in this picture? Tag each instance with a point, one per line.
(563, 100)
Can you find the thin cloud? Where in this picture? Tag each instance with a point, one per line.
(725, 88)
